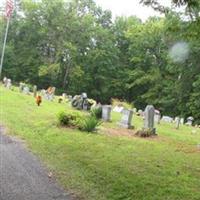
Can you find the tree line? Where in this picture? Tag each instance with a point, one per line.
(77, 47)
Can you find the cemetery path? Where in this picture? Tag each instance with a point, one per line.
(22, 177)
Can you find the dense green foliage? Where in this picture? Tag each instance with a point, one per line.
(76, 47)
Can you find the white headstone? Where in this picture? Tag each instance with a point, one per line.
(126, 119)
(26, 90)
(182, 121)
(157, 117)
(106, 112)
(9, 84)
(167, 119)
(5, 81)
(64, 95)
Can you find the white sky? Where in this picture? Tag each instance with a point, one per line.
(130, 7)
(126, 7)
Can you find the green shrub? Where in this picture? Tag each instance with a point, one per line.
(68, 119)
(89, 124)
(96, 112)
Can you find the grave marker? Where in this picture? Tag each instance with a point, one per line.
(149, 119)
(126, 119)
(177, 121)
(35, 90)
(9, 84)
(106, 112)
(26, 90)
(21, 87)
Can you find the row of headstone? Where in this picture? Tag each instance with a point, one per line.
(23, 88)
(127, 115)
(178, 121)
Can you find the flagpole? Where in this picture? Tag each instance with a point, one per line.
(4, 45)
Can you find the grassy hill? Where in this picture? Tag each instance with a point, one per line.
(102, 166)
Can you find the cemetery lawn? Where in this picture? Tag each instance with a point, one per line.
(103, 167)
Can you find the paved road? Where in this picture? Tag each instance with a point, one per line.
(22, 177)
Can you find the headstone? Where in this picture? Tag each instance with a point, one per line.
(182, 121)
(21, 87)
(149, 119)
(43, 92)
(157, 116)
(126, 119)
(106, 112)
(70, 97)
(5, 81)
(64, 95)
(177, 121)
(141, 113)
(35, 90)
(189, 121)
(85, 104)
(167, 119)
(9, 84)
(26, 90)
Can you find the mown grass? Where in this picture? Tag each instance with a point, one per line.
(101, 167)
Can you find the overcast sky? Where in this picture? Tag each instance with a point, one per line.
(126, 7)
(130, 7)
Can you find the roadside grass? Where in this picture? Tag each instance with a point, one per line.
(100, 167)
